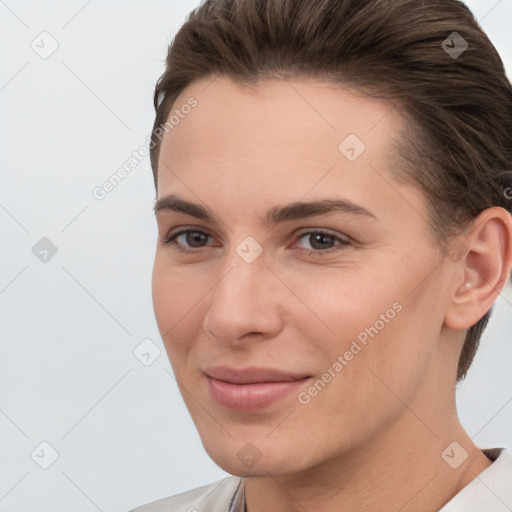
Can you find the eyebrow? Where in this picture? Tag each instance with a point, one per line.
(292, 211)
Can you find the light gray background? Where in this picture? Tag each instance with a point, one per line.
(68, 327)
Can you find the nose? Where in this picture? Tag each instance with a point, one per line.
(245, 303)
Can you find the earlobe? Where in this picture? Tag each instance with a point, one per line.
(482, 273)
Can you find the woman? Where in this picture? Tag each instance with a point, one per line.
(333, 204)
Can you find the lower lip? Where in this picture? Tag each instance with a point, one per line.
(250, 397)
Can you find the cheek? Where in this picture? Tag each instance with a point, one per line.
(364, 323)
(177, 299)
(346, 304)
(175, 291)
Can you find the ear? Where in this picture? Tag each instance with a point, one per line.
(482, 269)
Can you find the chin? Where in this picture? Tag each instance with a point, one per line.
(248, 461)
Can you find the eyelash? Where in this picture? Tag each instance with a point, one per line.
(171, 240)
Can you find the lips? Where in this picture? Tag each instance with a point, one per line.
(251, 389)
(251, 375)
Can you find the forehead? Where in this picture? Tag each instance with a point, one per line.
(302, 118)
(297, 137)
(238, 119)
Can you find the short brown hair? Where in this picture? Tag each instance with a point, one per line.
(457, 108)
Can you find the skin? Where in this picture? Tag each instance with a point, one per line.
(372, 438)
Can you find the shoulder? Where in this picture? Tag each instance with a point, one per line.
(490, 490)
(213, 497)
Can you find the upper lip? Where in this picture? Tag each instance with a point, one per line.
(251, 374)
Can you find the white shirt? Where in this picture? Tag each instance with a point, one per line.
(490, 491)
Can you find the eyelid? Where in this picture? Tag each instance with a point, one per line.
(171, 236)
(323, 231)
(343, 242)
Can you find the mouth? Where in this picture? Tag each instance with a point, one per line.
(251, 389)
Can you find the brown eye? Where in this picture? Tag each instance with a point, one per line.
(190, 239)
(195, 238)
(322, 242)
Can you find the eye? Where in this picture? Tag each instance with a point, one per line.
(190, 238)
(322, 242)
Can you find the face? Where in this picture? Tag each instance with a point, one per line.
(287, 324)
